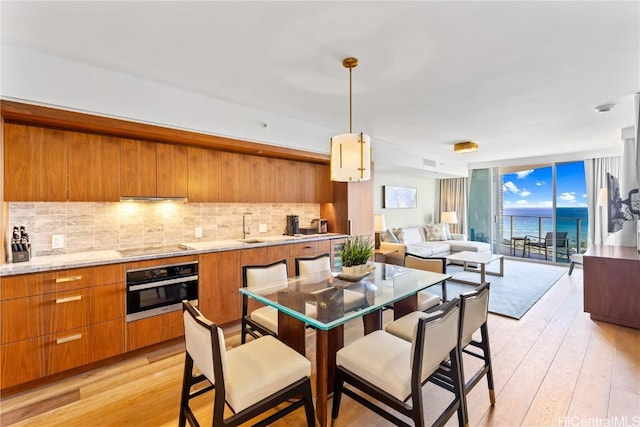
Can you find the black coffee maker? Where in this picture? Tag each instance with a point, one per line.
(293, 225)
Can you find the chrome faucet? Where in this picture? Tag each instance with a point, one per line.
(245, 227)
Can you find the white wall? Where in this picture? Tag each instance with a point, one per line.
(428, 190)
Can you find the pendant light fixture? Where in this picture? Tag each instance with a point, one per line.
(350, 152)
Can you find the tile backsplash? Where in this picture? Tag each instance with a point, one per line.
(125, 225)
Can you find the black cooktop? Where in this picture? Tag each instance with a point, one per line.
(152, 250)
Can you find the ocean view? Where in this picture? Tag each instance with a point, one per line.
(526, 222)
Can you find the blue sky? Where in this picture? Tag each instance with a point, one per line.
(533, 188)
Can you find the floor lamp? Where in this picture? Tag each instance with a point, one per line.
(379, 227)
(604, 217)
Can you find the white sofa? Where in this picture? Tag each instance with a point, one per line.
(432, 240)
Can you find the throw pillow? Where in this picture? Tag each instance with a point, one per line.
(388, 236)
(447, 232)
(399, 234)
(435, 232)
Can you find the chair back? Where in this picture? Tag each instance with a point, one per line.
(434, 338)
(314, 265)
(436, 265)
(561, 239)
(474, 308)
(204, 343)
(265, 276)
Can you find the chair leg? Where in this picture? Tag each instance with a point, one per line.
(486, 351)
(337, 393)
(571, 267)
(308, 405)
(186, 387)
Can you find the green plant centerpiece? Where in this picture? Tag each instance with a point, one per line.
(355, 253)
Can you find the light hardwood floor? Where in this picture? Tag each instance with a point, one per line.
(553, 367)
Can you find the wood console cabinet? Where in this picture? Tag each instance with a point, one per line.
(612, 284)
(52, 322)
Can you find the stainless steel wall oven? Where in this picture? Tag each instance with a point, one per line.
(160, 289)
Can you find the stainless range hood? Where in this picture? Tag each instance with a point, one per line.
(152, 199)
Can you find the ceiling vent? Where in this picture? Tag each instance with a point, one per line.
(429, 163)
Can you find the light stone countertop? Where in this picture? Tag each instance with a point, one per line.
(95, 258)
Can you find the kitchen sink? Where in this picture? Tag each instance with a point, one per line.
(251, 240)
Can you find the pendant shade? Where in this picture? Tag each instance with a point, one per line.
(350, 157)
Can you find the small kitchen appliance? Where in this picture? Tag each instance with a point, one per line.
(293, 225)
(320, 224)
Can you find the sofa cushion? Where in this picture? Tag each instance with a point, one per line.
(399, 233)
(428, 249)
(388, 236)
(435, 232)
(413, 235)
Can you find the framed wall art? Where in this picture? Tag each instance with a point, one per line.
(399, 197)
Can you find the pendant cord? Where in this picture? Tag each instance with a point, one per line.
(350, 102)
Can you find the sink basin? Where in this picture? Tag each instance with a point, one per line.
(251, 240)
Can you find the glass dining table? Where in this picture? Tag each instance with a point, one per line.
(337, 300)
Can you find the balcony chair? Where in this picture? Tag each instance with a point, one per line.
(562, 244)
(473, 317)
(393, 371)
(250, 379)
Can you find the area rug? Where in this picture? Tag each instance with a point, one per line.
(514, 294)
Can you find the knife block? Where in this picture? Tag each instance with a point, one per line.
(20, 256)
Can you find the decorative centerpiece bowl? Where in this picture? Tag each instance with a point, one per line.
(355, 253)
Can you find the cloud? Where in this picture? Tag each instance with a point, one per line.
(539, 183)
(584, 196)
(524, 174)
(525, 193)
(522, 203)
(510, 186)
(545, 204)
(568, 197)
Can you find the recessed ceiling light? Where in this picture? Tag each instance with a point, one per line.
(604, 108)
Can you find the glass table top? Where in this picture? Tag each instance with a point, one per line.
(336, 300)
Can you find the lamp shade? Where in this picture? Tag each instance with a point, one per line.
(351, 157)
(449, 217)
(379, 223)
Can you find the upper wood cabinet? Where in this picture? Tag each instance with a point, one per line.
(94, 167)
(203, 183)
(149, 169)
(324, 186)
(137, 168)
(351, 211)
(35, 164)
(235, 178)
(172, 170)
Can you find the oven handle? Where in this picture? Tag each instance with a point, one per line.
(162, 283)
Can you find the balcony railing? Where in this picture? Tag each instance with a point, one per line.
(519, 226)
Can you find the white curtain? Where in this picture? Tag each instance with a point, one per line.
(453, 197)
(596, 175)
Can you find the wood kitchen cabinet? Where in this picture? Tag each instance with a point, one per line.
(52, 322)
(94, 167)
(35, 163)
(235, 178)
(150, 169)
(324, 185)
(220, 275)
(352, 209)
(203, 183)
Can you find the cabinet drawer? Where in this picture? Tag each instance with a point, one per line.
(83, 277)
(21, 286)
(22, 318)
(66, 350)
(106, 340)
(22, 361)
(67, 310)
(323, 247)
(303, 249)
(153, 330)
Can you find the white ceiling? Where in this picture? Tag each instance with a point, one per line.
(520, 78)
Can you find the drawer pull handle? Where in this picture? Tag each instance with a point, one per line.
(308, 247)
(68, 279)
(69, 338)
(68, 299)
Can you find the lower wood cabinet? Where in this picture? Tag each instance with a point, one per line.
(220, 277)
(53, 322)
(153, 330)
